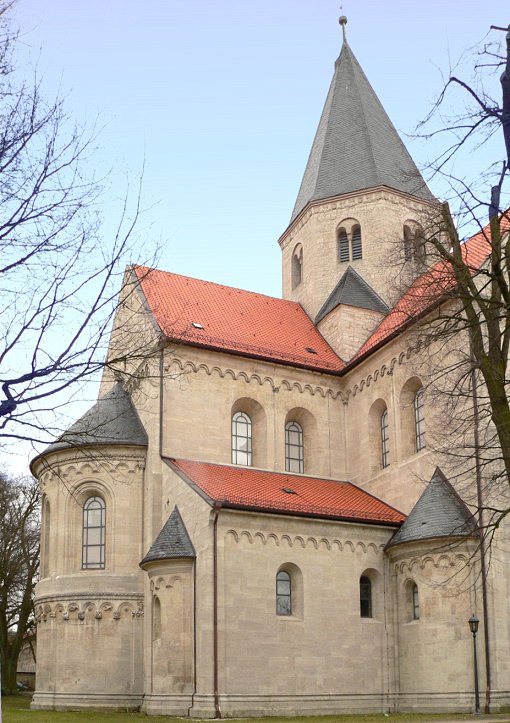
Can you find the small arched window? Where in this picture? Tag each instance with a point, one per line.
(283, 593)
(414, 241)
(156, 618)
(297, 266)
(415, 602)
(343, 246)
(241, 439)
(419, 420)
(294, 451)
(357, 248)
(365, 597)
(385, 439)
(94, 529)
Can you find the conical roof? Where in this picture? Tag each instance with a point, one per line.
(439, 512)
(356, 145)
(172, 542)
(352, 290)
(112, 420)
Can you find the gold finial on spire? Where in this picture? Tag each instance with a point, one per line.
(343, 22)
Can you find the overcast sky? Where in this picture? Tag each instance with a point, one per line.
(220, 101)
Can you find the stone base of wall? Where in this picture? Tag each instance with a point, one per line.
(154, 704)
(81, 701)
(233, 706)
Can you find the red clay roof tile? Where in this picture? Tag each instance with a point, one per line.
(248, 488)
(234, 320)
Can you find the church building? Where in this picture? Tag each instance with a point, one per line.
(250, 519)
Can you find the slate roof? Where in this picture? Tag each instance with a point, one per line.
(172, 542)
(252, 489)
(229, 319)
(112, 420)
(356, 145)
(439, 512)
(352, 290)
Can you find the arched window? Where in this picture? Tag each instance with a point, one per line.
(156, 618)
(94, 528)
(343, 245)
(241, 439)
(415, 602)
(283, 593)
(297, 266)
(419, 420)
(385, 439)
(294, 453)
(365, 597)
(357, 249)
(414, 241)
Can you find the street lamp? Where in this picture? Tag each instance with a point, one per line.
(473, 626)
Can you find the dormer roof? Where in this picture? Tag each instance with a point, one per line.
(173, 542)
(439, 512)
(352, 290)
(356, 146)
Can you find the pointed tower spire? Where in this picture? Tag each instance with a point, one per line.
(356, 145)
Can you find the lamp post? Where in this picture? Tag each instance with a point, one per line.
(473, 626)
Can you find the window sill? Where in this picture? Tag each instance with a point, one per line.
(290, 618)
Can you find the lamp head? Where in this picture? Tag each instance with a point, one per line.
(473, 624)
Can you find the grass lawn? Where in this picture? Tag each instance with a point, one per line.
(15, 709)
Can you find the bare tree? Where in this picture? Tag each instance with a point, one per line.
(19, 564)
(59, 276)
(459, 302)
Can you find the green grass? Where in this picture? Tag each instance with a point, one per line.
(16, 709)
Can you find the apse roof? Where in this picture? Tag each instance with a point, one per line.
(356, 145)
(111, 420)
(439, 512)
(220, 317)
(352, 290)
(275, 492)
(172, 542)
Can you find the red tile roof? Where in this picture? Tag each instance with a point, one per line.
(248, 488)
(425, 293)
(235, 321)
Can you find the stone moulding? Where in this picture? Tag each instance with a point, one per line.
(81, 606)
(317, 543)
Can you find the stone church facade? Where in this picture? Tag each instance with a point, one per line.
(249, 520)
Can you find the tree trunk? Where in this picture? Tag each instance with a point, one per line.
(9, 667)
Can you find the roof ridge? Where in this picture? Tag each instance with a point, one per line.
(218, 284)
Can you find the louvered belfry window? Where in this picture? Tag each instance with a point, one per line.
(357, 249)
(343, 246)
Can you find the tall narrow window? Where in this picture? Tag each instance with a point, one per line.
(156, 618)
(357, 249)
(283, 593)
(45, 556)
(365, 597)
(94, 528)
(385, 439)
(343, 246)
(297, 266)
(408, 243)
(419, 420)
(415, 602)
(294, 453)
(241, 439)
